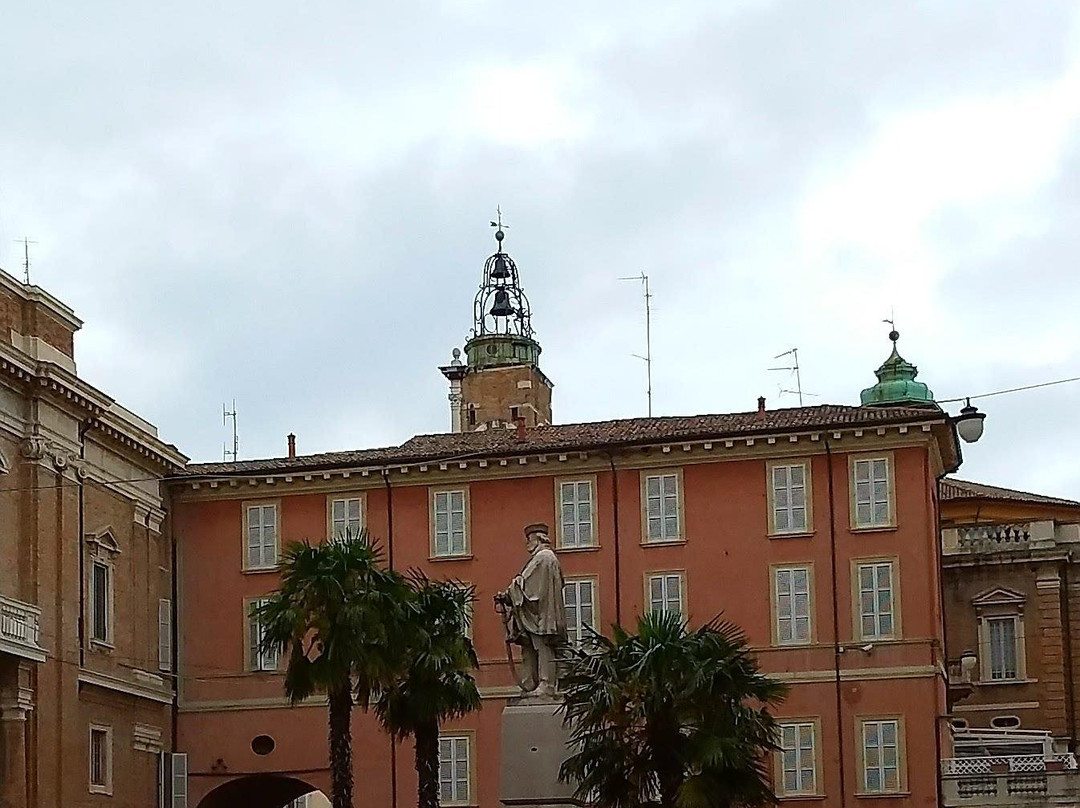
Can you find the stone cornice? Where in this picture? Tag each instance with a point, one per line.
(142, 691)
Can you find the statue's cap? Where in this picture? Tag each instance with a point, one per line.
(537, 527)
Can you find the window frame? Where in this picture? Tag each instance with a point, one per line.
(577, 580)
(433, 554)
(261, 503)
(890, 471)
(814, 723)
(346, 497)
(985, 642)
(774, 570)
(469, 737)
(107, 786)
(109, 603)
(808, 495)
(560, 536)
(680, 505)
(665, 574)
(252, 665)
(165, 642)
(856, 598)
(863, 789)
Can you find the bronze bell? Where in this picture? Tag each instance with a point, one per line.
(502, 307)
(500, 270)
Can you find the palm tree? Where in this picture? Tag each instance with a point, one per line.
(670, 717)
(436, 684)
(340, 613)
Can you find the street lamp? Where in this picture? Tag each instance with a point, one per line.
(969, 423)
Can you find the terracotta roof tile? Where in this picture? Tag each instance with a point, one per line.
(578, 437)
(954, 489)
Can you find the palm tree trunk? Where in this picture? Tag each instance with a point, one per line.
(427, 765)
(341, 776)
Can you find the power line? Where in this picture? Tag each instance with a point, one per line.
(1010, 390)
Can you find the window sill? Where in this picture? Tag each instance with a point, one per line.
(793, 534)
(260, 570)
(875, 529)
(1000, 682)
(102, 645)
(663, 543)
(881, 795)
(590, 549)
(106, 790)
(466, 557)
(790, 797)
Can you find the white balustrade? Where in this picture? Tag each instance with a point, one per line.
(20, 623)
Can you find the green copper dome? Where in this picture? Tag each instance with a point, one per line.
(896, 383)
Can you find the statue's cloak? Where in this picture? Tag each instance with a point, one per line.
(537, 599)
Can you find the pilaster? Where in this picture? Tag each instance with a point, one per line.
(1052, 651)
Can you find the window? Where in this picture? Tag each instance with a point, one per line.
(449, 524)
(662, 508)
(259, 659)
(164, 634)
(100, 602)
(873, 494)
(100, 759)
(262, 536)
(179, 780)
(798, 759)
(579, 602)
(454, 770)
(792, 593)
(576, 514)
(881, 756)
(789, 487)
(666, 592)
(876, 586)
(1003, 635)
(346, 517)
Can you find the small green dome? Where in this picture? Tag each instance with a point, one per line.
(896, 383)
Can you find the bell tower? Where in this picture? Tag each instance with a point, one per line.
(500, 382)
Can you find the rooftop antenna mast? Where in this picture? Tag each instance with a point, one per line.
(225, 416)
(793, 367)
(26, 242)
(647, 358)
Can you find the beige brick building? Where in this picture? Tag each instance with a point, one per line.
(86, 590)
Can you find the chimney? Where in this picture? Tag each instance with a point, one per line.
(521, 429)
(292, 445)
(761, 407)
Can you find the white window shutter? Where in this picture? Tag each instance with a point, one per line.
(179, 780)
(164, 634)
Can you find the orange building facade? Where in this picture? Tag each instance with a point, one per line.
(815, 529)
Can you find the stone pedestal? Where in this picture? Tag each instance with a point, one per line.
(534, 746)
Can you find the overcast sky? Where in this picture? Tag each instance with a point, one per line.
(288, 204)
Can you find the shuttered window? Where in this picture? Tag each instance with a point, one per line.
(454, 770)
(449, 528)
(164, 634)
(346, 517)
(798, 752)
(179, 780)
(576, 513)
(789, 498)
(579, 602)
(792, 605)
(873, 499)
(662, 508)
(876, 607)
(262, 536)
(100, 602)
(666, 593)
(881, 756)
(1003, 648)
(259, 658)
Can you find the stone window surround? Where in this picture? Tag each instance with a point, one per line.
(470, 742)
(445, 489)
(775, 603)
(1000, 602)
(901, 756)
(651, 574)
(594, 543)
(595, 581)
(680, 505)
(106, 787)
(103, 550)
(345, 495)
(890, 465)
(246, 507)
(856, 605)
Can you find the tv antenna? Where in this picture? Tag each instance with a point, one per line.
(647, 358)
(225, 416)
(26, 242)
(793, 368)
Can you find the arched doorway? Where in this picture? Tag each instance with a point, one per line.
(265, 791)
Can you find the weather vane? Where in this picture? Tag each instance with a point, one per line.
(894, 335)
(499, 226)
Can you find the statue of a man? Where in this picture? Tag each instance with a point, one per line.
(533, 610)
